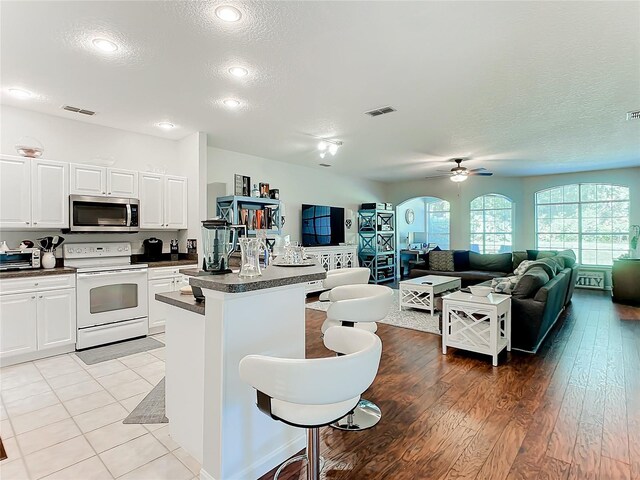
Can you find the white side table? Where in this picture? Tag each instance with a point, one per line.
(421, 292)
(477, 324)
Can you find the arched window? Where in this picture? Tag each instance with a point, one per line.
(590, 218)
(491, 224)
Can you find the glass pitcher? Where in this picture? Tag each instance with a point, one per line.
(251, 249)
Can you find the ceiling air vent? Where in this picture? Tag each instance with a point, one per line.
(633, 115)
(380, 111)
(69, 108)
(324, 164)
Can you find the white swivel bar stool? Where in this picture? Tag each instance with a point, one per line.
(314, 393)
(359, 306)
(344, 276)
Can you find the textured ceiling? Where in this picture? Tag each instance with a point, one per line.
(521, 87)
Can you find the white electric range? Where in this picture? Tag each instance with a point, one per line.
(111, 293)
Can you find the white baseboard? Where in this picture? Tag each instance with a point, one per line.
(263, 465)
(28, 357)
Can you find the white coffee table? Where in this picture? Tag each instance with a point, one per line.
(477, 324)
(421, 292)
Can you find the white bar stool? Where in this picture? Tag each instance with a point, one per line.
(315, 392)
(344, 276)
(358, 306)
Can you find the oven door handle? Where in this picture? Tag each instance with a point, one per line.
(119, 272)
(128, 215)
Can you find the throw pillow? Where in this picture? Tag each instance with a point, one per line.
(441, 261)
(523, 267)
(530, 283)
(461, 260)
(490, 262)
(425, 256)
(545, 264)
(569, 258)
(538, 254)
(518, 258)
(504, 284)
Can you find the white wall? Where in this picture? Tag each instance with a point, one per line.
(80, 142)
(297, 185)
(520, 189)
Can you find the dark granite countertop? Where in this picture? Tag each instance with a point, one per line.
(271, 277)
(165, 260)
(187, 302)
(169, 263)
(37, 272)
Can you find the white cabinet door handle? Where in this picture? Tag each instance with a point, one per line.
(33, 298)
(27, 223)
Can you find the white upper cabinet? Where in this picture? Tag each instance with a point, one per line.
(88, 180)
(33, 193)
(175, 204)
(49, 194)
(102, 181)
(15, 192)
(151, 201)
(163, 201)
(122, 183)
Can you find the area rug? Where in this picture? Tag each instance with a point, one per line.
(407, 318)
(151, 409)
(95, 355)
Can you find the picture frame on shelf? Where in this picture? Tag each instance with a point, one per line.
(238, 184)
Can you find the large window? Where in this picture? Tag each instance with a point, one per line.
(591, 219)
(491, 224)
(437, 222)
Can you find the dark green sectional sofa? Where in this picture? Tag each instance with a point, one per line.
(537, 299)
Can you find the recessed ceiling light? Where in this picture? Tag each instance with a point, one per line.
(104, 45)
(231, 103)
(238, 71)
(165, 125)
(228, 13)
(20, 93)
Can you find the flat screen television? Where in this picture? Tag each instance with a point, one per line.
(322, 226)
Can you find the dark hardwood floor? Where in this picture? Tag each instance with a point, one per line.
(570, 412)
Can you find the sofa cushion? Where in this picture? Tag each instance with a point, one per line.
(560, 262)
(518, 258)
(461, 260)
(441, 261)
(490, 262)
(549, 266)
(538, 254)
(473, 277)
(569, 258)
(529, 283)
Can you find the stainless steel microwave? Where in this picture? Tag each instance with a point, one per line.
(103, 214)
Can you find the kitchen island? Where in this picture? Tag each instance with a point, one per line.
(212, 412)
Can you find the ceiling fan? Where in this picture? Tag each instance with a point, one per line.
(460, 173)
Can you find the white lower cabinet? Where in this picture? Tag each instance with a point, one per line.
(39, 321)
(55, 311)
(18, 324)
(332, 258)
(157, 310)
(163, 280)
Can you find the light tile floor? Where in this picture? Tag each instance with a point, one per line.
(62, 420)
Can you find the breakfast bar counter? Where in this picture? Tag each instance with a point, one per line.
(212, 412)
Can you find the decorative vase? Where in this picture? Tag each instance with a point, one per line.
(250, 264)
(48, 260)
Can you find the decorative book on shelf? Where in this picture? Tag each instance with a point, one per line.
(255, 213)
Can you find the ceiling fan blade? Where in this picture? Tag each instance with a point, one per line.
(444, 171)
(439, 176)
(480, 169)
(482, 174)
